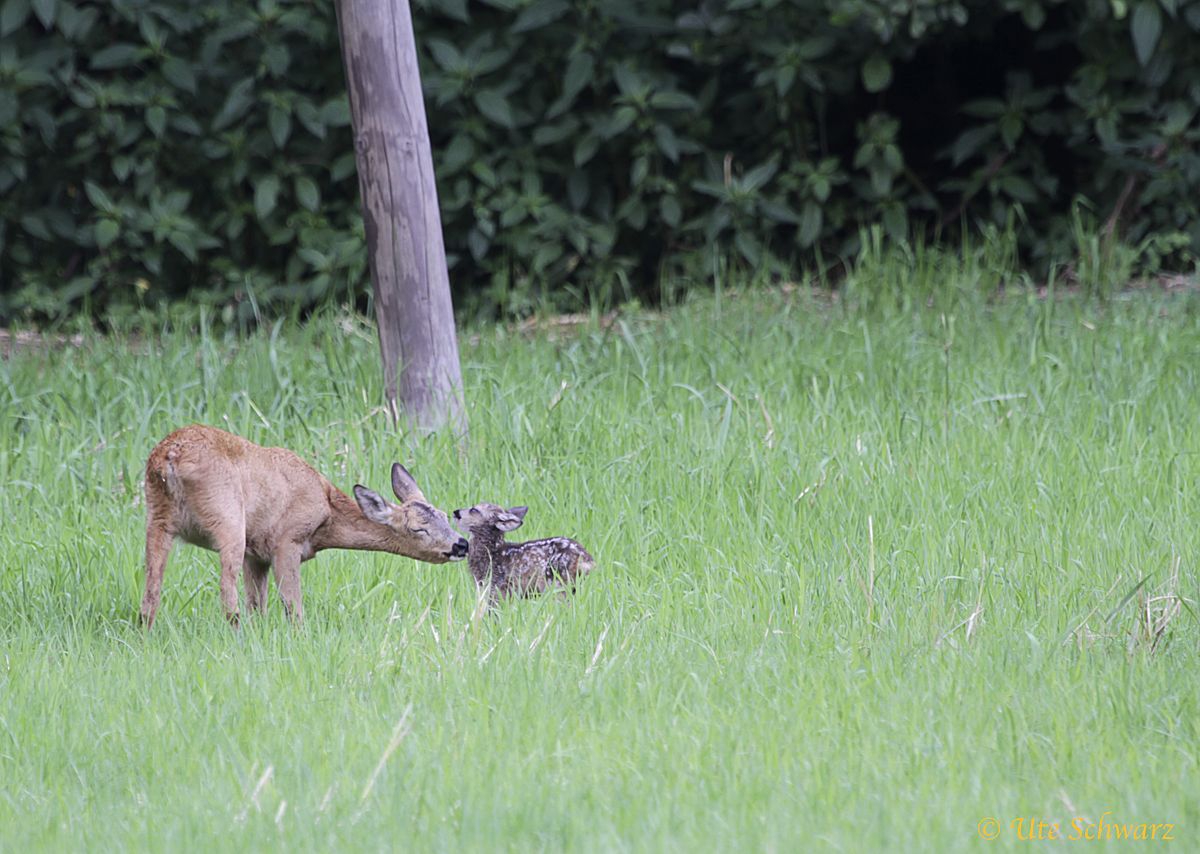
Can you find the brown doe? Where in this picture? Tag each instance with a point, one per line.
(260, 508)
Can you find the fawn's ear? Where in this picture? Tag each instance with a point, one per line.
(372, 505)
(404, 485)
(511, 519)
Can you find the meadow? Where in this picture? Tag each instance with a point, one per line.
(867, 576)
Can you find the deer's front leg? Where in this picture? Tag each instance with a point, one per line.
(287, 579)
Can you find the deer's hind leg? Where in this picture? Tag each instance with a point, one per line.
(287, 580)
(159, 540)
(231, 546)
(255, 576)
(224, 525)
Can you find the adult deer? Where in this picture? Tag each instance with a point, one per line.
(260, 508)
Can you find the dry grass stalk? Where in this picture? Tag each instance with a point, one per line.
(398, 732)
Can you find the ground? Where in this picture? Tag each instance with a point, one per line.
(866, 578)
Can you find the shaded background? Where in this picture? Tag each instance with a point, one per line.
(592, 151)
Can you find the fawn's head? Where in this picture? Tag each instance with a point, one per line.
(485, 518)
(422, 528)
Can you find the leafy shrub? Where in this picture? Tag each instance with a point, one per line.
(159, 148)
(156, 148)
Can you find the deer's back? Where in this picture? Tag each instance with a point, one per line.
(536, 565)
(200, 476)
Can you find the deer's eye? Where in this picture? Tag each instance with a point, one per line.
(419, 530)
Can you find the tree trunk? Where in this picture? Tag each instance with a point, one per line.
(422, 377)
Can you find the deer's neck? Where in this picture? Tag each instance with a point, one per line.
(483, 553)
(348, 528)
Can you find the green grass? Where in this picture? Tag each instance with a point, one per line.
(865, 578)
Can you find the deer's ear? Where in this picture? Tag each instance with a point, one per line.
(404, 485)
(510, 520)
(372, 505)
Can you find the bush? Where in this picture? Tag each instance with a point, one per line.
(161, 148)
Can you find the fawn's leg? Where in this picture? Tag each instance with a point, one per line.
(255, 574)
(159, 540)
(287, 580)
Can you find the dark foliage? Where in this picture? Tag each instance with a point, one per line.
(161, 148)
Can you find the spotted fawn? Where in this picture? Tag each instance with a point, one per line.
(517, 569)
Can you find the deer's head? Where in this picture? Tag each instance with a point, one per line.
(419, 529)
(486, 518)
